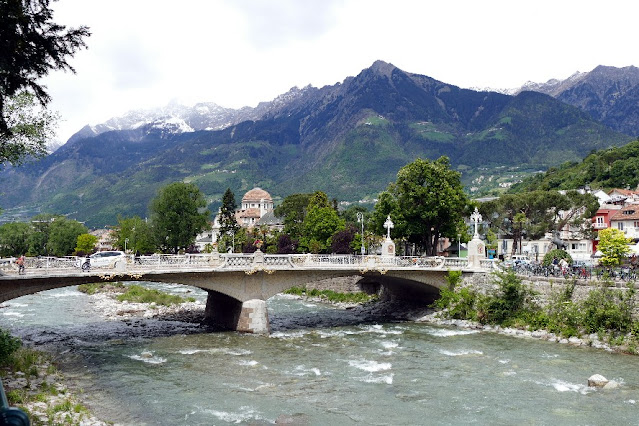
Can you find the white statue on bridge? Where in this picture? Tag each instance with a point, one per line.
(388, 247)
(476, 247)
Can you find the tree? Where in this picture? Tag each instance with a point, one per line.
(31, 127)
(613, 246)
(31, 46)
(14, 238)
(286, 245)
(179, 214)
(86, 243)
(63, 236)
(228, 223)
(138, 233)
(40, 237)
(320, 223)
(293, 211)
(341, 242)
(426, 202)
(536, 213)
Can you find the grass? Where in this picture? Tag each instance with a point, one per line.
(135, 293)
(94, 288)
(138, 294)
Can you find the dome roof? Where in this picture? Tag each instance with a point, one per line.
(257, 194)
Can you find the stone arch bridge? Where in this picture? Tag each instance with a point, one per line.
(238, 285)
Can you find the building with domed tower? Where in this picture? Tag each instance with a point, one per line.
(256, 203)
(256, 209)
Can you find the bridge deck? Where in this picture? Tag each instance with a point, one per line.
(249, 263)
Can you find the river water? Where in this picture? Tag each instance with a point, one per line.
(320, 366)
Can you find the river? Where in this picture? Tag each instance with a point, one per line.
(320, 366)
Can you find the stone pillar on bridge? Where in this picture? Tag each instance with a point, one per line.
(476, 247)
(223, 312)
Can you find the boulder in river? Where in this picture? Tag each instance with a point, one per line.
(597, 381)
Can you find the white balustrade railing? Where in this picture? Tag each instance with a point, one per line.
(249, 262)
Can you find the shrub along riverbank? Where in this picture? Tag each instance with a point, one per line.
(607, 312)
(135, 293)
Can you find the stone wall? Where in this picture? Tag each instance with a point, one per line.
(341, 285)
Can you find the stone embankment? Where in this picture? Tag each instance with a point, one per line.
(58, 405)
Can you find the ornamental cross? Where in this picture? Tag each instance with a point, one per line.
(388, 225)
(476, 218)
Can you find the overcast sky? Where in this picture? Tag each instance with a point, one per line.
(145, 53)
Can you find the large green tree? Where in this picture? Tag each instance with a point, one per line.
(86, 243)
(14, 238)
(135, 234)
(178, 214)
(320, 223)
(425, 203)
(293, 210)
(40, 237)
(31, 46)
(63, 236)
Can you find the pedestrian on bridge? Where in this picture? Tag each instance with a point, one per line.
(20, 263)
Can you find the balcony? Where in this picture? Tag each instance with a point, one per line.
(599, 225)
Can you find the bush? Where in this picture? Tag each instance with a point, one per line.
(511, 300)
(460, 304)
(8, 345)
(559, 254)
(608, 310)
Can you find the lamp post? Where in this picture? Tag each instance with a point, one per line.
(458, 245)
(360, 218)
(126, 241)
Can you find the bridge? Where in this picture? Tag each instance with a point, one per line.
(238, 285)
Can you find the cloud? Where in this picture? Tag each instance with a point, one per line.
(273, 24)
(131, 64)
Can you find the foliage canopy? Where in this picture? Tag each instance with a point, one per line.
(426, 202)
(179, 214)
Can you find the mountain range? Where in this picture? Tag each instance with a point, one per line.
(610, 95)
(349, 140)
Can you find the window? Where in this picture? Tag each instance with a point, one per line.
(636, 224)
(600, 220)
(620, 226)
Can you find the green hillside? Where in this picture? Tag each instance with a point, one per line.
(616, 167)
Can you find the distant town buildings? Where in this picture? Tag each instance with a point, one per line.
(619, 208)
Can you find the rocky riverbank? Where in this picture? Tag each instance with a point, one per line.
(592, 340)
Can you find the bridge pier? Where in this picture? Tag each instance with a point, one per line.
(226, 313)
